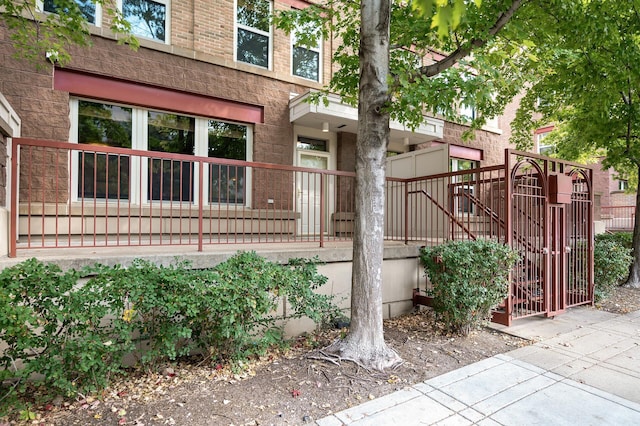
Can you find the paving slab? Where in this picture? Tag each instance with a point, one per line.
(582, 368)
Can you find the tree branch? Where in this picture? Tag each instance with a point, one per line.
(461, 52)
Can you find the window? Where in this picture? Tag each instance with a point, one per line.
(464, 192)
(544, 149)
(467, 112)
(623, 185)
(101, 175)
(116, 177)
(89, 9)
(306, 60)
(148, 18)
(253, 32)
(226, 140)
(170, 179)
(312, 144)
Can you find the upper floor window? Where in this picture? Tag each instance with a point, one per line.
(623, 185)
(544, 148)
(89, 9)
(306, 59)
(148, 18)
(253, 32)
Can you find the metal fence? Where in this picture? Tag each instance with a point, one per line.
(618, 218)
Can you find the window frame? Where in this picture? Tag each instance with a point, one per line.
(167, 21)
(317, 49)
(138, 170)
(237, 26)
(97, 23)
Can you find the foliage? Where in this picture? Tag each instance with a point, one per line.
(35, 33)
(584, 80)
(625, 239)
(424, 78)
(73, 337)
(469, 278)
(611, 262)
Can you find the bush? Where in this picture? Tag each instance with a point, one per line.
(611, 263)
(469, 278)
(74, 337)
(625, 239)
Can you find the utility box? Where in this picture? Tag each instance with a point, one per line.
(560, 189)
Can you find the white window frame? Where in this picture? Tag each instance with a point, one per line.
(138, 170)
(167, 21)
(540, 146)
(98, 23)
(268, 34)
(317, 49)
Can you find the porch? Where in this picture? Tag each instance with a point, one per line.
(85, 203)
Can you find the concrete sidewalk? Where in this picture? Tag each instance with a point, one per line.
(583, 369)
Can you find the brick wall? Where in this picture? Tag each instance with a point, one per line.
(489, 142)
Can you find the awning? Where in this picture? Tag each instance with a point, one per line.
(344, 118)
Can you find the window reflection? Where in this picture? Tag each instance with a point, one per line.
(170, 180)
(252, 18)
(147, 18)
(87, 7)
(227, 183)
(104, 175)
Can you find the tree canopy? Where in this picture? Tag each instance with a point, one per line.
(36, 33)
(583, 65)
(438, 62)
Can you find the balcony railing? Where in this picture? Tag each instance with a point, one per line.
(68, 195)
(618, 218)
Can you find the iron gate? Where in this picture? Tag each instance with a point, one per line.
(549, 215)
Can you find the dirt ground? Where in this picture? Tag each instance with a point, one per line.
(291, 387)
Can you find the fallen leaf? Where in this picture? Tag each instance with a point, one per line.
(295, 393)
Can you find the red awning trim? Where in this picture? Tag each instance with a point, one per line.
(138, 94)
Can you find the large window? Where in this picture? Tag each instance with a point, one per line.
(170, 179)
(148, 18)
(102, 176)
(227, 183)
(89, 9)
(253, 32)
(306, 58)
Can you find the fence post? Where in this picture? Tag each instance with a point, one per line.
(323, 176)
(200, 202)
(13, 219)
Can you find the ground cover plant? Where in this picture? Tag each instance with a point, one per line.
(69, 333)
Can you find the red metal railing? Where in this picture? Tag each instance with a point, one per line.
(78, 195)
(618, 218)
(447, 206)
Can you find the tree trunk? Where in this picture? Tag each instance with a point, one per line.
(365, 342)
(634, 276)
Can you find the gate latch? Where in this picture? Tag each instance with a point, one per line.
(545, 250)
(567, 249)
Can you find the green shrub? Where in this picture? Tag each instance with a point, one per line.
(74, 336)
(611, 263)
(625, 239)
(469, 278)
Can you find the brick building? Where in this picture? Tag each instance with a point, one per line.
(210, 80)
